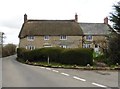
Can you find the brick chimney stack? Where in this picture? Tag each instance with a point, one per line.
(106, 20)
(25, 18)
(76, 17)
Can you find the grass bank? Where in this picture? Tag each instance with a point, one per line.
(66, 66)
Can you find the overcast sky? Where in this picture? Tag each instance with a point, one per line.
(12, 12)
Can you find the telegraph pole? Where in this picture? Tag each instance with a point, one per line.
(1, 47)
(1, 43)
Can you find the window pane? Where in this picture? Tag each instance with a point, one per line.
(89, 37)
(46, 37)
(63, 37)
(30, 38)
(96, 45)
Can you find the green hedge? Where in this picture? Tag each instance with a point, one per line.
(77, 56)
(20, 52)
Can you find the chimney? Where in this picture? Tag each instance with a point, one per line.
(106, 20)
(76, 17)
(25, 18)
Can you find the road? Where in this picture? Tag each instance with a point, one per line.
(0, 72)
(16, 74)
(0, 66)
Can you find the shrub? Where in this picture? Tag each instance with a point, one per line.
(52, 53)
(20, 52)
(100, 58)
(78, 56)
(9, 49)
(35, 55)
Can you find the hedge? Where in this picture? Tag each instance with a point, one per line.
(76, 56)
(20, 52)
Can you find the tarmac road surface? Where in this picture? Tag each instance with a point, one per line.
(15, 74)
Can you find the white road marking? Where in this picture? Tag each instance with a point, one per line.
(42, 67)
(75, 77)
(98, 85)
(55, 71)
(81, 79)
(65, 74)
(48, 68)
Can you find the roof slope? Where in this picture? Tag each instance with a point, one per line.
(95, 28)
(50, 27)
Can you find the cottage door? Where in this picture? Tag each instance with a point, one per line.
(96, 48)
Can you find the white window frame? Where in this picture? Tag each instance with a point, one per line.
(89, 38)
(47, 46)
(30, 47)
(63, 46)
(46, 37)
(86, 45)
(30, 38)
(63, 37)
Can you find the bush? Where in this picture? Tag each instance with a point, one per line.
(101, 58)
(52, 53)
(9, 49)
(78, 56)
(20, 52)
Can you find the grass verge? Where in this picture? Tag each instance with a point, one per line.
(58, 65)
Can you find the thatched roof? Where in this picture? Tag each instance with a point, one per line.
(50, 27)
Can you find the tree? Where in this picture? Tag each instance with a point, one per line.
(9, 49)
(114, 39)
(115, 17)
(114, 48)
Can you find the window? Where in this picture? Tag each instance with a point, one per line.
(30, 38)
(86, 45)
(30, 47)
(46, 37)
(0, 41)
(96, 46)
(89, 37)
(63, 37)
(63, 46)
(47, 46)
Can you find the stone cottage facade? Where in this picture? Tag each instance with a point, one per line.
(95, 35)
(63, 33)
(50, 33)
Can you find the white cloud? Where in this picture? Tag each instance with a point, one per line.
(12, 11)
(11, 35)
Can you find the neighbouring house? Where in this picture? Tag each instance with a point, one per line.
(96, 35)
(63, 33)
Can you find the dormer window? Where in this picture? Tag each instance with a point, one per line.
(46, 37)
(63, 37)
(30, 38)
(89, 37)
